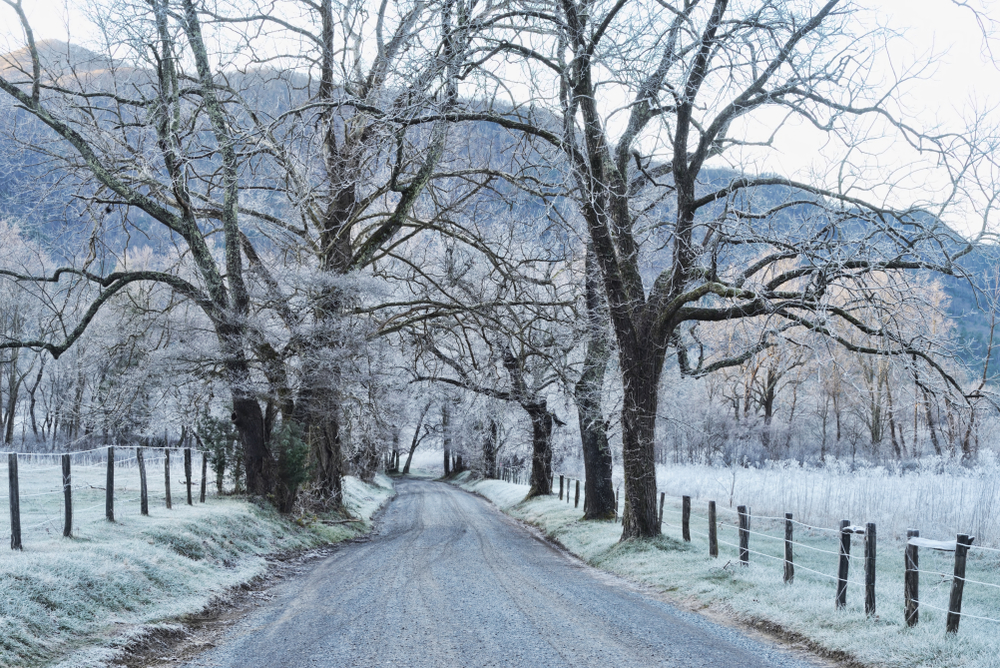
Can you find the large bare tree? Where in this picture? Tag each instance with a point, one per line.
(657, 102)
(290, 139)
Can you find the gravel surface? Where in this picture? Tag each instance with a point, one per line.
(448, 580)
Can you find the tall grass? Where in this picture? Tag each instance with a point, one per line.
(938, 496)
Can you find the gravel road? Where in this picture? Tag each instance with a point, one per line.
(450, 581)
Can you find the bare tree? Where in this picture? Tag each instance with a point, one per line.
(651, 94)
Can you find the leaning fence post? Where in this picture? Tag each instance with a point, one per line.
(187, 473)
(143, 489)
(166, 474)
(911, 580)
(744, 534)
(15, 502)
(962, 544)
(870, 568)
(845, 562)
(713, 538)
(686, 518)
(67, 498)
(204, 474)
(662, 496)
(789, 559)
(109, 492)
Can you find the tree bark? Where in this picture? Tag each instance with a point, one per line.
(446, 436)
(490, 448)
(542, 422)
(416, 438)
(641, 374)
(599, 499)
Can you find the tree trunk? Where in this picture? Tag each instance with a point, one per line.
(249, 422)
(446, 436)
(318, 413)
(416, 438)
(490, 448)
(599, 498)
(542, 422)
(640, 373)
(930, 424)
(12, 392)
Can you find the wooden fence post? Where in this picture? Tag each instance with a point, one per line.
(187, 473)
(962, 544)
(870, 569)
(911, 580)
(166, 474)
(204, 474)
(744, 534)
(662, 497)
(109, 492)
(789, 558)
(713, 537)
(845, 562)
(67, 498)
(143, 489)
(15, 502)
(576, 500)
(616, 504)
(560, 487)
(686, 518)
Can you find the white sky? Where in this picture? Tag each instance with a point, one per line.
(964, 78)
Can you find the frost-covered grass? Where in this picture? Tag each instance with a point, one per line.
(73, 601)
(756, 594)
(939, 496)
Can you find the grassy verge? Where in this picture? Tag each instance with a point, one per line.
(755, 595)
(77, 601)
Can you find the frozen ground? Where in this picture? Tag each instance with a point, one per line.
(805, 609)
(73, 601)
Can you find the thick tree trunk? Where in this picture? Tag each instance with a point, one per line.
(640, 373)
(542, 422)
(599, 497)
(249, 422)
(318, 413)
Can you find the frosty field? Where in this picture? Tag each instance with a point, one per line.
(804, 610)
(73, 601)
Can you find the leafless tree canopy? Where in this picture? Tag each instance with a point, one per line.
(540, 203)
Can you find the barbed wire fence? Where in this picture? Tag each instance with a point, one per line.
(775, 541)
(62, 492)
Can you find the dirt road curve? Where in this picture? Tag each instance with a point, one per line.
(450, 581)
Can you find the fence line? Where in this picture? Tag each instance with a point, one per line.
(960, 546)
(119, 477)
